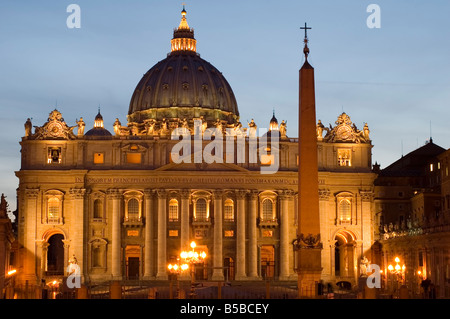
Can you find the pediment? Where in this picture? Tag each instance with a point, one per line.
(223, 167)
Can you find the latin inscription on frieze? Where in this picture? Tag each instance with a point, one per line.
(188, 180)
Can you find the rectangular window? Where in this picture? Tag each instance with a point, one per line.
(54, 155)
(133, 233)
(134, 158)
(229, 233)
(267, 233)
(173, 210)
(228, 213)
(267, 160)
(173, 232)
(99, 158)
(344, 157)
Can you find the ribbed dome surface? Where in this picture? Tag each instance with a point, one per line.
(183, 86)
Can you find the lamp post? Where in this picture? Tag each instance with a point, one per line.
(192, 257)
(175, 270)
(398, 271)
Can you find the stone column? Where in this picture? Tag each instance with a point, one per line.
(184, 238)
(43, 247)
(148, 244)
(284, 197)
(184, 194)
(218, 237)
(77, 228)
(29, 235)
(366, 222)
(161, 273)
(326, 214)
(240, 237)
(253, 237)
(115, 197)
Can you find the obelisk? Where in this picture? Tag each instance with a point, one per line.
(309, 246)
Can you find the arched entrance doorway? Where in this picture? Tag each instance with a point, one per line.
(345, 256)
(55, 255)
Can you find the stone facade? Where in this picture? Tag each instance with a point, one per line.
(114, 210)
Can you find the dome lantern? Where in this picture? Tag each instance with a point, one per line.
(273, 126)
(183, 37)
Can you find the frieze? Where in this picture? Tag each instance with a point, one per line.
(186, 180)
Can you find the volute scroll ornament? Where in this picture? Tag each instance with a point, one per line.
(345, 131)
(54, 128)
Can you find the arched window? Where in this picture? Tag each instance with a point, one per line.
(53, 209)
(98, 209)
(345, 210)
(228, 213)
(173, 210)
(201, 209)
(267, 209)
(133, 209)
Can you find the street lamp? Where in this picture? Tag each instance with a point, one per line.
(192, 257)
(397, 270)
(175, 270)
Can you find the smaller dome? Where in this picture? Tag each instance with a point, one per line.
(98, 131)
(273, 123)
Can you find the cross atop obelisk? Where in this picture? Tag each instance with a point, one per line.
(306, 28)
(306, 49)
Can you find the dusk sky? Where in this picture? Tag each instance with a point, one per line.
(396, 77)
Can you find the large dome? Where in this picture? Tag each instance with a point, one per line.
(183, 86)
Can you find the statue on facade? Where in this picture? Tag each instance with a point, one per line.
(218, 125)
(134, 130)
(366, 132)
(81, 126)
(117, 125)
(28, 127)
(252, 128)
(185, 124)
(283, 129)
(73, 268)
(364, 265)
(204, 124)
(164, 127)
(319, 129)
(3, 206)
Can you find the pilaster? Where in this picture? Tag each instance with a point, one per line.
(161, 269)
(218, 236)
(148, 235)
(115, 197)
(240, 237)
